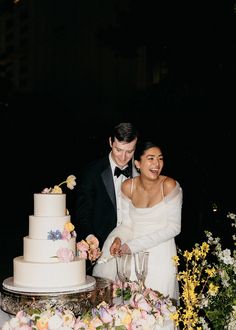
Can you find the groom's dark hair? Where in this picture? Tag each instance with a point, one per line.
(124, 132)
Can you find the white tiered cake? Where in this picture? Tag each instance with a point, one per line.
(39, 267)
(50, 262)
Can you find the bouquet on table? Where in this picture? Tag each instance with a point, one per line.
(149, 310)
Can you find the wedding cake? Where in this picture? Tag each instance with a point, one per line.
(50, 260)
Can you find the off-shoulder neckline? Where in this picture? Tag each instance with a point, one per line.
(168, 196)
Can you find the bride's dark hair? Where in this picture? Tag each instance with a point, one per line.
(142, 146)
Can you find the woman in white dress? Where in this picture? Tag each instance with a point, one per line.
(151, 218)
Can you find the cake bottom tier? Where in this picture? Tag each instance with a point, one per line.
(48, 275)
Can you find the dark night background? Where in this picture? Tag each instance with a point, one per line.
(70, 70)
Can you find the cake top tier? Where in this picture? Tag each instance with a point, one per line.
(49, 205)
(51, 202)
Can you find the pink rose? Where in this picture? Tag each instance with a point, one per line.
(65, 255)
(82, 249)
(66, 235)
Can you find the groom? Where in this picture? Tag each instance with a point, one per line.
(97, 207)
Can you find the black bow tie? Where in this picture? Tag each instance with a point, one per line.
(126, 172)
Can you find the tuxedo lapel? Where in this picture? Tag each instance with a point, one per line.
(109, 184)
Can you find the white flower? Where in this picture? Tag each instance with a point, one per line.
(231, 215)
(225, 256)
(55, 322)
(204, 324)
(232, 320)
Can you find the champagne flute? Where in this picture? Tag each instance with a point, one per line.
(123, 267)
(141, 268)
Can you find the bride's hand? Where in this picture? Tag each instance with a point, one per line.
(115, 246)
(124, 249)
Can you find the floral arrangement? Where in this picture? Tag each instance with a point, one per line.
(143, 311)
(86, 249)
(70, 183)
(89, 248)
(67, 232)
(208, 285)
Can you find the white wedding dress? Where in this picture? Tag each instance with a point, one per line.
(150, 229)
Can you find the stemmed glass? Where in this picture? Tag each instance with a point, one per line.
(141, 268)
(123, 267)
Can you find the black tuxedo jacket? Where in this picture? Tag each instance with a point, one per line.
(95, 208)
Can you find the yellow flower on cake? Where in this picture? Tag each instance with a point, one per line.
(70, 183)
(69, 226)
(56, 190)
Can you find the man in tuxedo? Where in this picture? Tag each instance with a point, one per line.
(97, 206)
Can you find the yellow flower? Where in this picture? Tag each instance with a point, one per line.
(69, 226)
(205, 247)
(56, 190)
(175, 317)
(197, 253)
(188, 255)
(213, 289)
(211, 271)
(176, 260)
(70, 183)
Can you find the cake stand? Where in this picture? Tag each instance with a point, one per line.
(77, 299)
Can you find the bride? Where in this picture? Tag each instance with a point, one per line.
(151, 218)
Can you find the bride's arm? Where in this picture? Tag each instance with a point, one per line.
(172, 228)
(123, 232)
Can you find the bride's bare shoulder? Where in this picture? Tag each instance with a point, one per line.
(126, 187)
(168, 185)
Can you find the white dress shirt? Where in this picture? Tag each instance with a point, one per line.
(117, 184)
